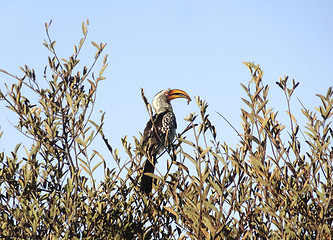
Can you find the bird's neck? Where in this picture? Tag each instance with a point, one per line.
(163, 108)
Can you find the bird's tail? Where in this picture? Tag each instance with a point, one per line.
(147, 181)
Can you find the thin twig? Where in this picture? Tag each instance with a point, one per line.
(230, 125)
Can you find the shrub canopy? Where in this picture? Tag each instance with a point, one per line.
(265, 188)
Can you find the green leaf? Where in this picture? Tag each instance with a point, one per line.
(205, 152)
(70, 102)
(95, 45)
(171, 211)
(85, 168)
(96, 166)
(190, 158)
(186, 141)
(84, 29)
(102, 69)
(250, 105)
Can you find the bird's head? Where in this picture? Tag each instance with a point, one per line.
(161, 101)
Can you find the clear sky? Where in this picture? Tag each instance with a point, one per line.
(197, 46)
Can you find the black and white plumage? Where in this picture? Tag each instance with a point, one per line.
(159, 133)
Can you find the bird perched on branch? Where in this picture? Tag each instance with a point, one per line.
(159, 132)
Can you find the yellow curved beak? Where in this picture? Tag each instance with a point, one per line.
(177, 93)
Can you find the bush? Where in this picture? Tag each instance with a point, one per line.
(265, 188)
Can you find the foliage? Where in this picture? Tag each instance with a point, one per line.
(265, 188)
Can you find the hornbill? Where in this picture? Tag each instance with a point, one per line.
(159, 132)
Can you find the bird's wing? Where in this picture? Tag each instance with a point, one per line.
(155, 139)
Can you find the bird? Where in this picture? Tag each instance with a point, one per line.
(159, 132)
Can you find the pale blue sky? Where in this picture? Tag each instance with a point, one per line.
(197, 46)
